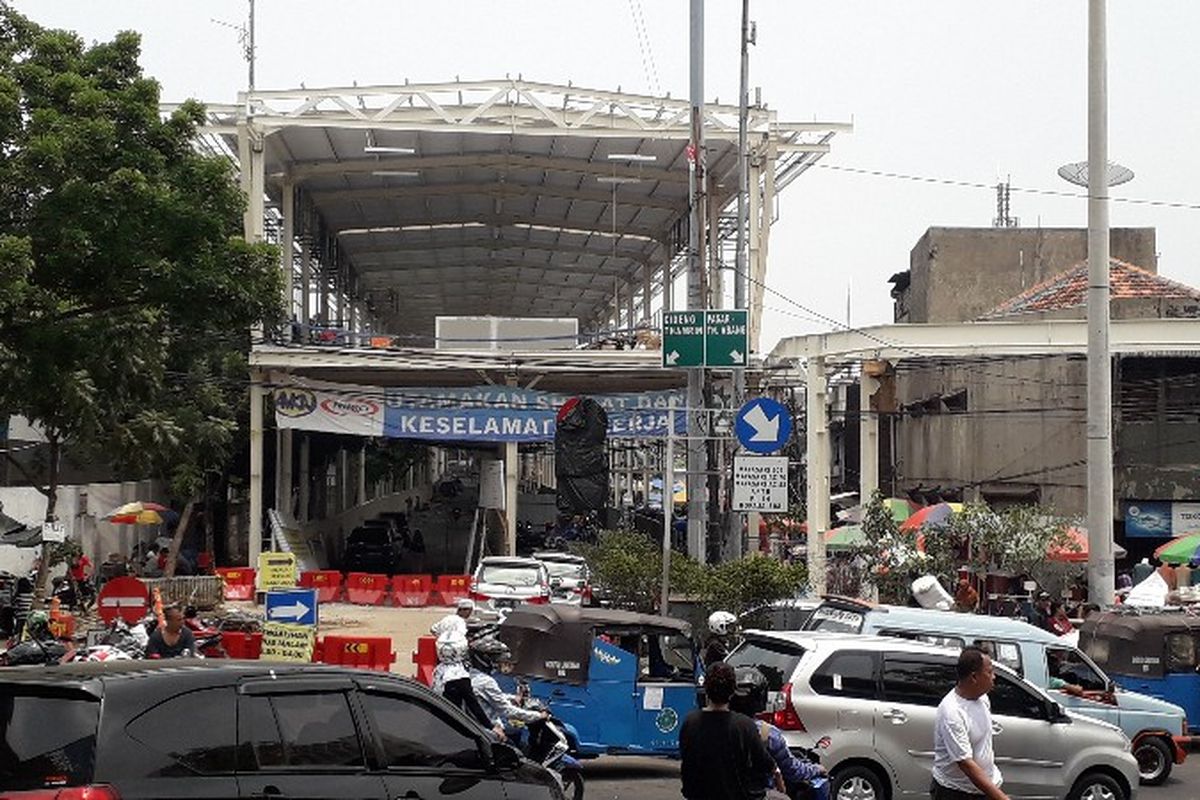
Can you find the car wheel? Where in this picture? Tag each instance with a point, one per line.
(1097, 786)
(857, 783)
(1154, 760)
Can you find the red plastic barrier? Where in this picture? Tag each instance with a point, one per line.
(365, 652)
(366, 588)
(239, 582)
(412, 590)
(452, 588)
(426, 659)
(240, 644)
(123, 597)
(327, 582)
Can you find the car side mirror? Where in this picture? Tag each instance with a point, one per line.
(505, 756)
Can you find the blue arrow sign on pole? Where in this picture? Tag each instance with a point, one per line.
(295, 606)
(763, 425)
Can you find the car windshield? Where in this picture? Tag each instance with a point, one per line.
(564, 569)
(776, 660)
(370, 536)
(46, 740)
(509, 575)
(835, 620)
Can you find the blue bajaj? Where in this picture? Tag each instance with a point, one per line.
(1155, 652)
(624, 681)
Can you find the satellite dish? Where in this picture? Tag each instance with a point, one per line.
(1077, 174)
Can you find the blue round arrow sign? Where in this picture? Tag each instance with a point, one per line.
(763, 425)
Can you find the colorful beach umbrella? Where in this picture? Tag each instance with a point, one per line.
(1076, 550)
(137, 513)
(1180, 550)
(901, 510)
(935, 514)
(845, 538)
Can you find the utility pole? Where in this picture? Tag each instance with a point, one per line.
(697, 422)
(1099, 366)
(738, 519)
(250, 45)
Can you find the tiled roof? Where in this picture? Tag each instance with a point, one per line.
(1069, 289)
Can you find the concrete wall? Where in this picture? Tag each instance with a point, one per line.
(959, 274)
(1023, 429)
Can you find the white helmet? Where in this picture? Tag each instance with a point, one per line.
(722, 623)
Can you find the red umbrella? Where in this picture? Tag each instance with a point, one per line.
(930, 515)
(1076, 551)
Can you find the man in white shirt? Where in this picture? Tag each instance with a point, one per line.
(964, 766)
(456, 621)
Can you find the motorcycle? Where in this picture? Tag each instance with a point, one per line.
(815, 788)
(551, 744)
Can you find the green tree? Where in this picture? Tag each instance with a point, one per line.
(892, 559)
(126, 292)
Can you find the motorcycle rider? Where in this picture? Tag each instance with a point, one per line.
(457, 621)
(488, 653)
(451, 678)
(793, 775)
(722, 627)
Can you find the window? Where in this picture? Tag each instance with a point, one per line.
(45, 738)
(846, 674)
(1181, 652)
(414, 734)
(776, 660)
(1068, 665)
(195, 733)
(938, 639)
(1011, 699)
(301, 730)
(1006, 653)
(668, 657)
(835, 620)
(922, 682)
(510, 575)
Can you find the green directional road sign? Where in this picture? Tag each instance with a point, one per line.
(726, 339)
(705, 339)
(683, 339)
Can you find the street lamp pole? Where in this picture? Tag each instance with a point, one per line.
(1099, 369)
(697, 424)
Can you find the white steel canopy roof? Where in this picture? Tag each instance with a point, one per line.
(517, 198)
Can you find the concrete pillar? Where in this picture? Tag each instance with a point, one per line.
(754, 263)
(868, 438)
(306, 286)
(716, 276)
(305, 479)
(817, 444)
(361, 488)
(256, 470)
(764, 248)
(343, 479)
(287, 249)
(283, 471)
(630, 318)
(647, 290)
(511, 471)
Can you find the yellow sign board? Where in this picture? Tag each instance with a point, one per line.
(276, 571)
(283, 641)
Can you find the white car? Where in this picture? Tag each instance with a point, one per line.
(876, 699)
(501, 583)
(570, 578)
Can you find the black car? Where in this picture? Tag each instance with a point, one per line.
(376, 548)
(207, 729)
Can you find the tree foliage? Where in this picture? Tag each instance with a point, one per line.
(126, 290)
(628, 564)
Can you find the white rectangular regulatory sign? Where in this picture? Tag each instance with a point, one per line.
(760, 483)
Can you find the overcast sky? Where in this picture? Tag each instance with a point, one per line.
(961, 90)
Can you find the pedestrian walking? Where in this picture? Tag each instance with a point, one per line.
(964, 764)
(722, 755)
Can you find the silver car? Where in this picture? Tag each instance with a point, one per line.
(876, 699)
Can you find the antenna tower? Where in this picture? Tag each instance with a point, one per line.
(1003, 217)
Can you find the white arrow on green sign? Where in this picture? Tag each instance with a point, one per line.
(718, 338)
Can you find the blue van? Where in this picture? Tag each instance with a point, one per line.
(1157, 729)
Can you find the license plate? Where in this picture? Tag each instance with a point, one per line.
(505, 603)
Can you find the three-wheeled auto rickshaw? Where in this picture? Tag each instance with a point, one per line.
(1155, 652)
(624, 680)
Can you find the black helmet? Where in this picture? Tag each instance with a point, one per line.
(487, 652)
(750, 696)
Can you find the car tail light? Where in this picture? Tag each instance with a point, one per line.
(785, 718)
(539, 600)
(67, 793)
(476, 596)
(585, 594)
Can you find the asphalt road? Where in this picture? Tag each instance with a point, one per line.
(614, 778)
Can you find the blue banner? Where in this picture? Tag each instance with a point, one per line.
(1148, 519)
(505, 414)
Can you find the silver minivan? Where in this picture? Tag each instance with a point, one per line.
(876, 699)
(1158, 729)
